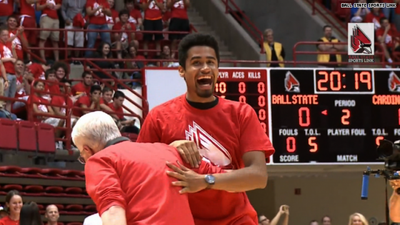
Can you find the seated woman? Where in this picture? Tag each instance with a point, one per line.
(104, 52)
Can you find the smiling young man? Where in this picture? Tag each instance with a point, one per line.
(208, 129)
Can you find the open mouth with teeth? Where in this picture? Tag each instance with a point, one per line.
(205, 81)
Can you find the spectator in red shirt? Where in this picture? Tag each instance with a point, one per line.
(23, 87)
(18, 37)
(374, 16)
(6, 10)
(386, 36)
(14, 204)
(27, 19)
(126, 36)
(88, 102)
(114, 188)
(62, 69)
(49, 20)
(83, 86)
(38, 98)
(113, 19)
(153, 10)
(51, 86)
(3, 83)
(135, 16)
(179, 21)
(37, 70)
(200, 111)
(97, 10)
(9, 57)
(126, 126)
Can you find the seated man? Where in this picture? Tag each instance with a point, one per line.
(88, 102)
(36, 99)
(85, 85)
(125, 125)
(51, 87)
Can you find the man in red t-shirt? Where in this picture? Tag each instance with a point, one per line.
(126, 36)
(83, 86)
(6, 10)
(97, 10)
(52, 86)
(49, 20)
(18, 37)
(114, 18)
(27, 19)
(8, 57)
(37, 98)
(374, 16)
(197, 124)
(88, 102)
(135, 16)
(37, 70)
(153, 10)
(387, 37)
(126, 126)
(179, 21)
(115, 177)
(23, 86)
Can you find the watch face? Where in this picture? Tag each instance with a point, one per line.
(210, 179)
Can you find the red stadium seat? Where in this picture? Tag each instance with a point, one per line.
(33, 189)
(10, 187)
(91, 208)
(54, 189)
(52, 172)
(31, 171)
(8, 134)
(41, 207)
(74, 223)
(27, 136)
(46, 139)
(76, 174)
(74, 207)
(73, 190)
(10, 171)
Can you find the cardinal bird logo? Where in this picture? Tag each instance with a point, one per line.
(291, 83)
(360, 43)
(394, 82)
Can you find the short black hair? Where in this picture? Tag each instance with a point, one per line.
(48, 72)
(326, 26)
(86, 73)
(193, 40)
(37, 82)
(107, 89)
(118, 94)
(123, 12)
(94, 88)
(382, 19)
(60, 64)
(65, 81)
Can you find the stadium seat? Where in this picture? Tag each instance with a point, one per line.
(31, 172)
(74, 223)
(8, 134)
(34, 189)
(73, 190)
(74, 207)
(10, 187)
(27, 136)
(54, 189)
(52, 172)
(46, 139)
(75, 174)
(91, 208)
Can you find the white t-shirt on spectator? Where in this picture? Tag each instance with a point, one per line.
(94, 219)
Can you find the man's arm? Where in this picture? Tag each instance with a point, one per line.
(103, 186)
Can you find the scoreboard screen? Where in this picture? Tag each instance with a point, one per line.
(319, 115)
(327, 115)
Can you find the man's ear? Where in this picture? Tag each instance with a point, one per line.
(181, 71)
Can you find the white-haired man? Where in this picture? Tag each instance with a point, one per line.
(127, 181)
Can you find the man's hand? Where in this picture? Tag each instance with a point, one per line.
(191, 181)
(284, 209)
(68, 22)
(188, 151)
(395, 185)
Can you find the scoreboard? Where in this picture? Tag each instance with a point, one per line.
(319, 115)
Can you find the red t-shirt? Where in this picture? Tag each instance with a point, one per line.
(125, 35)
(18, 44)
(80, 88)
(372, 18)
(37, 71)
(5, 52)
(50, 12)
(37, 100)
(179, 10)
(389, 36)
(134, 16)
(110, 183)
(99, 18)
(153, 12)
(21, 92)
(84, 100)
(52, 88)
(60, 102)
(7, 221)
(118, 111)
(6, 7)
(177, 120)
(27, 9)
(114, 15)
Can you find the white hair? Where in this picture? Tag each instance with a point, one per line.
(98, 127)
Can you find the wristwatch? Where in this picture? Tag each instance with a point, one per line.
(210, 180)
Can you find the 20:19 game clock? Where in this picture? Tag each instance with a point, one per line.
(332, 116)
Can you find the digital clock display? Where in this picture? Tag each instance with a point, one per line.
(332, 115)
(245, 85)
